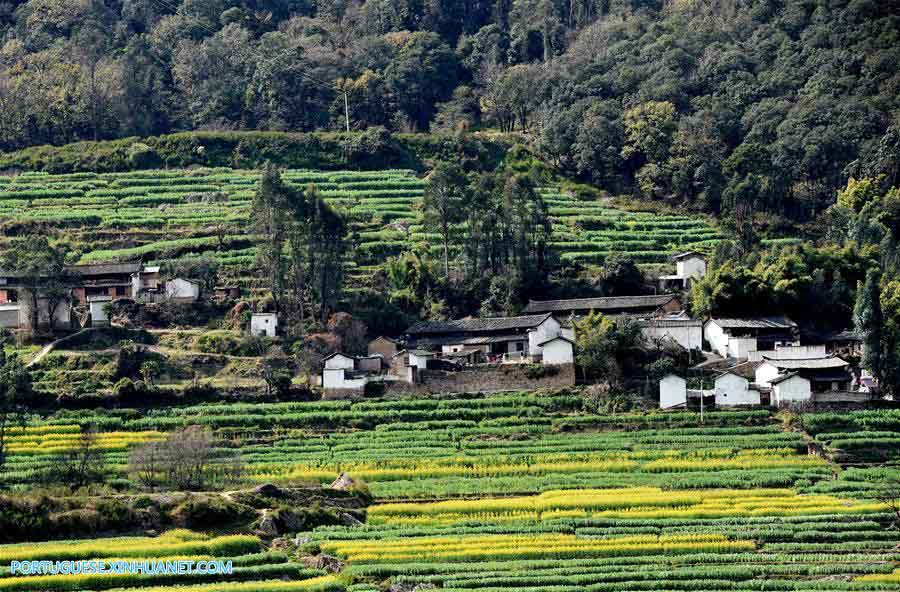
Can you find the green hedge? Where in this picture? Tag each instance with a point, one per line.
(326, 151)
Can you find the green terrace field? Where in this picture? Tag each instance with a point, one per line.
(168, 214)
(520, 491)
(253, 569)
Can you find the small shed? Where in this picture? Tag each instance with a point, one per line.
(558, 350)
(264, 324)
(790, 388)
(672, 391)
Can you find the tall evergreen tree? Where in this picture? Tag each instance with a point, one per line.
(869, 321)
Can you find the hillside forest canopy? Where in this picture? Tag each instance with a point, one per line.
(745, 106)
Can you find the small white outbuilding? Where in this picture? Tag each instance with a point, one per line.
(264, 324)
(558, 350)
(672, 391)
(790, 388)
(183, 290)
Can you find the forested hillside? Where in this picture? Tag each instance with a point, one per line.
(741, 105)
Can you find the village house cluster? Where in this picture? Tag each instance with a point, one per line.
(88, 291)
(753, 361)
(449, 352)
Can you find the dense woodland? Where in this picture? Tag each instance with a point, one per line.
(745, 106)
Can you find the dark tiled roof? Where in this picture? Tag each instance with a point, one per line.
(686, 255)
(477, 325)
(599, 304)
(755, 323)
(783, 377)
(745, 369)
(807, 364)
(554, 338)
(106, 268)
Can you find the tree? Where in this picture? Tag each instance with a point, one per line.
(84, 463)
(16, 395)
(649, 130)
(869, 322)
(214, 75)
(301, 255)
(40, 266)
(607, 350)
(445, 195)
(276, 372)
(420, 74)
(188, 459)
(269, 205)
(350, 333)
(621, 277)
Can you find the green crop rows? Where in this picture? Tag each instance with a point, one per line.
(163, 215)
(528, 492)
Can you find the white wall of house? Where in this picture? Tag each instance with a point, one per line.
(265, 324)
(62, 315)
(717, 338)
(799, 352)
(766, 373)
(182, 289)
(98, 312)
(731, 389)
(336, 378)
(340, 361)
(418, 360)
(740, 347)
(558, 351)
(672, 391)
(517, 347)
(691, 267)
(688, 336)
(795, 389)
(549, 328)
(9, 316)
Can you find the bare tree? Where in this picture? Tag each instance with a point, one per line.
(83, 464)
(190, 459)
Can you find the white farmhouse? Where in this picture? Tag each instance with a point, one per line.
(737, 337)
(264, 324)
(790, 388)
(824, 374)
(689, 267)
(506, 339)
(732, 389)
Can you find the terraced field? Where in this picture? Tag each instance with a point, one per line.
(168, 214)
(253, 569)
(526, 492)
